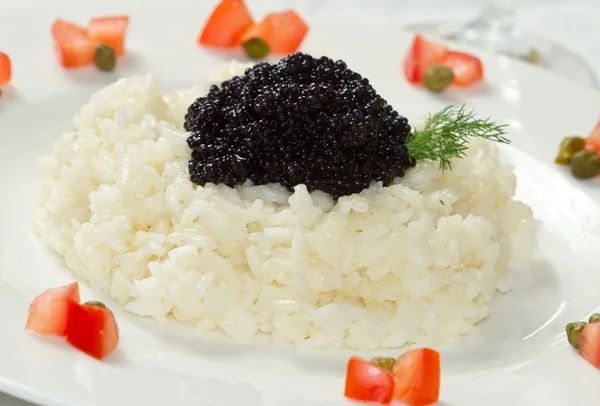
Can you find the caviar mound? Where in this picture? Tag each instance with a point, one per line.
(301, 121)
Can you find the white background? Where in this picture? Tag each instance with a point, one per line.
(572, 23)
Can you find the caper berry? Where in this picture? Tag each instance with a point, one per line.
(105, 57)
(585, 164)
(386, 363)
(256, 48)
(568, 147)
(437, 77)
(574, 331)
(95, 303)
(595, 318)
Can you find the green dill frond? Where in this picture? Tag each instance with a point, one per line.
(446, 135)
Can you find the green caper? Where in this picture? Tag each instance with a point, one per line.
(105, 57)
(568, 147)
(595, 318)
(95, 303)
(386, 363)
(256, 48)
(585, 164)
(437, 77)
(574, 331)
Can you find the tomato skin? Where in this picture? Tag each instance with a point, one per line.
(92, 330)
(366, 382)
(5, 69)
(49, 312)
(420, 56)
(589, 344)
(109, 31)
(283, 32)
(74, 48)
(226, 24)
(417, 375)
(467, 68)
(592, 142)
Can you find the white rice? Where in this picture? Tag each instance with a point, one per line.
(416, 262)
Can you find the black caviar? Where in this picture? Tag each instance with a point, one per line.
(300, 121)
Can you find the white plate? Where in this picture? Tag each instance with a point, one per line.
(522, 358)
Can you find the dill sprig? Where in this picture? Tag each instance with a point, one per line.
(446, 135)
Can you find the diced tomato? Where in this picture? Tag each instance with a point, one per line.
(589, 344)
(72, 44)
(49, 312)
(226, 24)
(366, 382)
(467, 68)
(93, 330)
(283, 32)
(421, 55)
(109, 31)
(418, 377)
(592, 142)
(5, 69)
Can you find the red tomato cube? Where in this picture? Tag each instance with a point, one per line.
(589, 344)
(467, 68)
(366, 382)
(422, 54)
(5, 69)
(72, 44)
(283, 32)
(226, 24)
(109, 31)
(418, 377)
(92, 330)
(49, 312)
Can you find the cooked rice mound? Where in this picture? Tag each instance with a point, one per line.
(415, 262)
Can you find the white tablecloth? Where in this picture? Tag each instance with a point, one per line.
(571, 23)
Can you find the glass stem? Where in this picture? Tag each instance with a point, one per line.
(498, 15)
(495, 29)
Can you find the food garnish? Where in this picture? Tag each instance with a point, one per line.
(5, 69)
(592, 142)
(417, 374)
(89, 327)
(226, 24)
(366, 382)
(110, 31)
(422, 54)
(585, 164)
(437, 77)
(414, 378)
(594, 318)
(568, 147)
(315, 122)
(446, 135)
(256, 48)
(283, 32)
(105, 58)
(386, 363)
(74, 48)
(93, 330)
(77, 46)
(589, 344)
(467, 69)
(95, 303)
(574, 331)
(49, 312)
(583, 155)
(231, 25)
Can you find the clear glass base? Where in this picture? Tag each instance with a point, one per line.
(515, 43)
